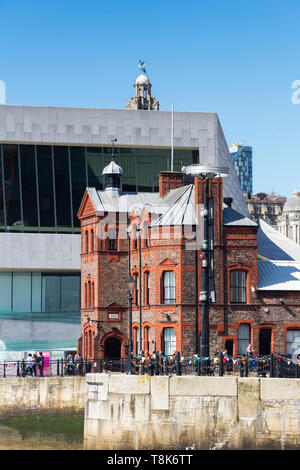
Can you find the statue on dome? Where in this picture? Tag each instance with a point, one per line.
(142, 65)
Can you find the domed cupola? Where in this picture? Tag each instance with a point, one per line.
(112, 173)
(293, 203)
(142, 98)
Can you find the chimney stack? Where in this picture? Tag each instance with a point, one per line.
(169, 180)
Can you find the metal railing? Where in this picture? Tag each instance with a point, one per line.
(273, 365)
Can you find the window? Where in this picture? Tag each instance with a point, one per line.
(137, 291)
(112, 240)
(12, 187)
(169, 296)
(147, 338)
(137, 339)
(92, 240)
(238, 287)
(62, 186)
(169, 341)
(147, 288)
(86, 242)
(45, 181)
(146, 235)
(243, 337)
(293, 342)
(32, 292)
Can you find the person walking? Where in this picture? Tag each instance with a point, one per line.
(41, 363)
(35, 364)
(30, 364)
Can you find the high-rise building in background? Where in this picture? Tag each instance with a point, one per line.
(241, 156)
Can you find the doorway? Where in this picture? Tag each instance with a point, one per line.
(229, 347)
(112, 348)
(265, 335)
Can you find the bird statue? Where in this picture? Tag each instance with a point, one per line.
(142, 65)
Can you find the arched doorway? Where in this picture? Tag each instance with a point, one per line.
(112, 348)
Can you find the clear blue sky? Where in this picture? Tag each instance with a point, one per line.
(234, 57)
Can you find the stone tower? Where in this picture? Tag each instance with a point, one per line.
(142, 98)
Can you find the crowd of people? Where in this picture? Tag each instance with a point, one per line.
(34, 363)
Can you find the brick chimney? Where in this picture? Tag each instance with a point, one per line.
(215, 191)
(169, 180)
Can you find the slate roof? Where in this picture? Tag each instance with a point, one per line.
(278, 275)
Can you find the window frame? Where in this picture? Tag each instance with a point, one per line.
(168, 288)
(240, 290)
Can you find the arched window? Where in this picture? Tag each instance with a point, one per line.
(147, 338)
(244, 337)
(238, 290)
(93, 294)
(147, 288)
(137, 289)
(137, 340)
(169, 287)
(89, 294)
(86, 243)
(92, 240)
(169, 341)
(85, 295)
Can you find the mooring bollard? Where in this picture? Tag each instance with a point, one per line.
(221, 368)
(241, 368)
(246, 365)
(178, 365)
(271, 365)
(156, 365)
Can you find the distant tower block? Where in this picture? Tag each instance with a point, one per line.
(2, 92)
(142, 98)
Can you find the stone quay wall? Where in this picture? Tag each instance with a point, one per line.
(142, 412)
(47, 393)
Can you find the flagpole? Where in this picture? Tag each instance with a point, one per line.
(172, 138)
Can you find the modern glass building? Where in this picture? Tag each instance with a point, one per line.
(241, 156)
(48, 156)
(41, 186)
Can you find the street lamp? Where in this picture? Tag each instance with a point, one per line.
(130, 287)
(207, 172)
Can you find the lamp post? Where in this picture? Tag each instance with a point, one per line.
(206, 171)
(130, 287)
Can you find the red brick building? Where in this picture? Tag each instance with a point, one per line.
(255, 290)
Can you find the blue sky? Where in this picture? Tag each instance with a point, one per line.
(236, 58)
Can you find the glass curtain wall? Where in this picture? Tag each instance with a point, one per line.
(37, 292)
(41, 186)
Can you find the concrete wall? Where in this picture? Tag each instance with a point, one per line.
(22, 394)
(92, 126)
(141, 412)
(40, 251)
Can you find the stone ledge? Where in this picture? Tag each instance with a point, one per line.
(129, 384)
(204, 386)
(280, 389)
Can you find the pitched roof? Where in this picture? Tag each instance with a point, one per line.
(272, 245)
(232, 217)
(176, 208)
(104, 201)
(278, 275)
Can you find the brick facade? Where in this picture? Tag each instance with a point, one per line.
(104, 272)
